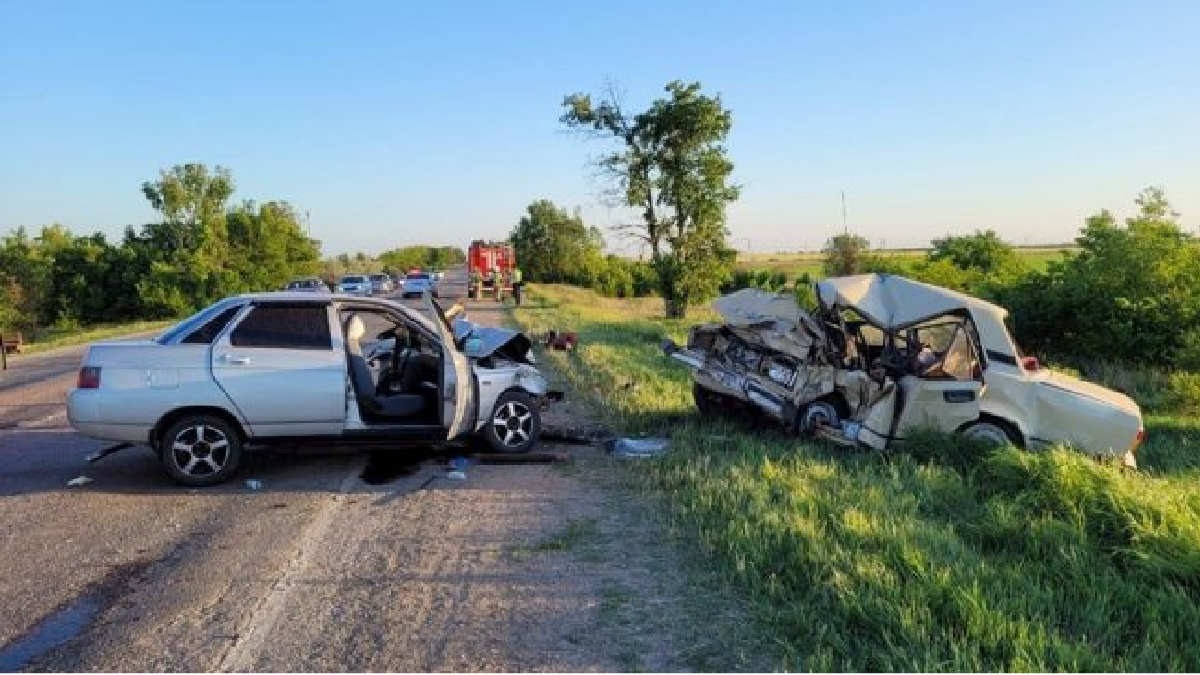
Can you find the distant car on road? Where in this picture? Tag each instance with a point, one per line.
(308, 284)
(381, 284)
(355, 284)
(417, 284)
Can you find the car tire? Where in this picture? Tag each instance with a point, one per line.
(201, 450)
(514, 424)
(989, 431)
(820, 411)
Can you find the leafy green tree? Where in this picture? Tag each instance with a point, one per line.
(268, 245)
(982, 251)
(554, 246)
(672, 166)
(845, 254)
(1131, 294)
(26, 272)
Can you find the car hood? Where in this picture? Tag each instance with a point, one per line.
(1093, 391)
(773, 319)
(479, 342)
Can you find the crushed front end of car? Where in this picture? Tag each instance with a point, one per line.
(771, 357)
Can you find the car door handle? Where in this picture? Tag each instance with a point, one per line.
(236, 360)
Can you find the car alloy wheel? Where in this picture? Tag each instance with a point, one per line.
(200, 450)
(515, 424)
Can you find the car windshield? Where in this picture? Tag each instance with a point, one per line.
(418, 277)
(191, 323)
(353, 280)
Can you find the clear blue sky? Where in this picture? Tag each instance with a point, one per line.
(435, 122)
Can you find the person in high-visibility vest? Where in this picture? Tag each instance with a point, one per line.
(476, 283)
(517, 284)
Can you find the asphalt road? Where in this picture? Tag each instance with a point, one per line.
(318, 570)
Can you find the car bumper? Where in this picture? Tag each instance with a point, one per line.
(83, 412)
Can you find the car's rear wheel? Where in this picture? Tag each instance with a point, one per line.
(201, 450)
(515, 424)
(989, 432)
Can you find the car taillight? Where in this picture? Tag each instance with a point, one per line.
(89, 377)
(1137, 440)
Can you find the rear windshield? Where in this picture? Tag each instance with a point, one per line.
(422, 277)
(354, 280)
(378, 277)
(193, 322)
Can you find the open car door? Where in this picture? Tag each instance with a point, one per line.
(458, 397)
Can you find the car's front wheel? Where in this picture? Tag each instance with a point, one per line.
(201, 450)
(515, 423)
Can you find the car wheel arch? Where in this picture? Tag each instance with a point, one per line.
(165, 422)
(1014, 431)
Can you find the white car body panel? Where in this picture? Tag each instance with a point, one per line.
(272, 392)
(283, 392)
(141, 383)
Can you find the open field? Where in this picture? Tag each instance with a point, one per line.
(944, 557)
(797, 263)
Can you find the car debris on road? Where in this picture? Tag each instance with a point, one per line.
(882, 355)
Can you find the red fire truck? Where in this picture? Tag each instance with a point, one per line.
(488, 256)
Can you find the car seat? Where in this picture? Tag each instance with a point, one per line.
(399, 405)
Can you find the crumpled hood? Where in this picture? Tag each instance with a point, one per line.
(479, 342)
(775, 319)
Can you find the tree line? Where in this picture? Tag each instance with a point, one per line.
(203, 248)
(394, 261)
(1129, 294)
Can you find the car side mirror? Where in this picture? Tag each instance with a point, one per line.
(1030, 363)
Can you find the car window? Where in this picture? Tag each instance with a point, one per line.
(204, 335)
(418, 277)
(959, 361)
(282, 326)
(352, 280)
(189, 324)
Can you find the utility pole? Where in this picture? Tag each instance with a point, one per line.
(845, 230)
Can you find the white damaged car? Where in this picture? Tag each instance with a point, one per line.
(883, 354)
(292, 368)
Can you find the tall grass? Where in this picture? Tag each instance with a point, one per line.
(943, 557)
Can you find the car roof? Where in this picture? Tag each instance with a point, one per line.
(382, 303)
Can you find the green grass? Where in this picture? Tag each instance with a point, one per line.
(795, 264)
(943, 557)
(51, 338)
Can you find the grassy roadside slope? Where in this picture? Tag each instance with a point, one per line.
(941, 558)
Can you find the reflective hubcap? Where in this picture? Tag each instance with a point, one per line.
(200, 450)
(513, 423)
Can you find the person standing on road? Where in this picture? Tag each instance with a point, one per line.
(476, 284)
(516, 284)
